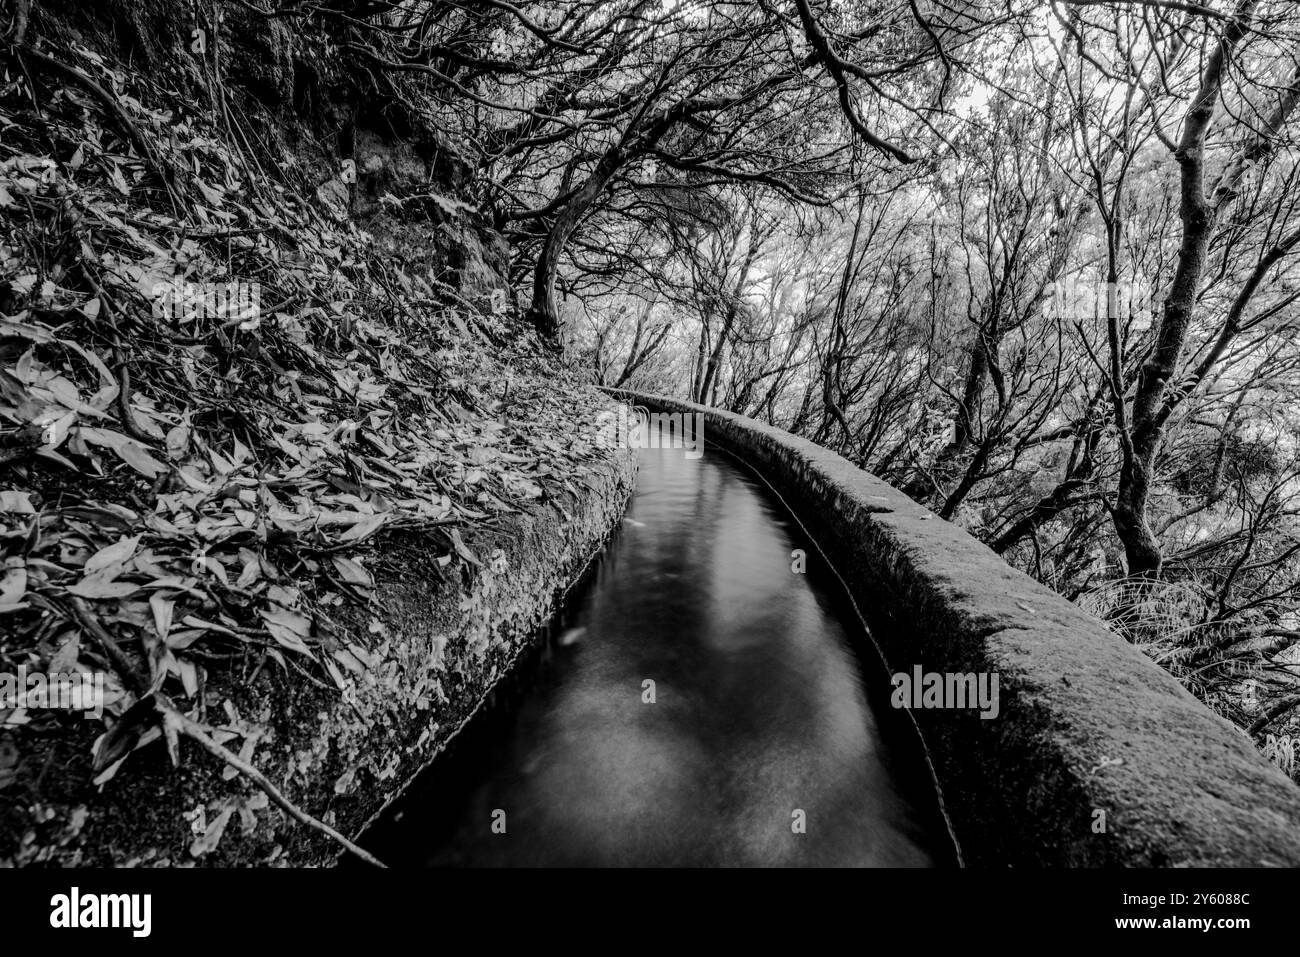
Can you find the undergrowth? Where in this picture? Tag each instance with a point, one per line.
(1243, 665)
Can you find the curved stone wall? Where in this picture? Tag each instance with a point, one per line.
(1089, 731)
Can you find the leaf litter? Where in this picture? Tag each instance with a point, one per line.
(209, 480)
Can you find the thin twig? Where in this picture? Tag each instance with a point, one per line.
(121, 663)
(192, 729)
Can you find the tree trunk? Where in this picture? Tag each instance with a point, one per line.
(1197, 216)
(544, 312)
(730, 308)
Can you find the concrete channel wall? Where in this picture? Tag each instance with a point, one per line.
(1089, 730)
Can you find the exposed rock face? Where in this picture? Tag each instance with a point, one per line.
(411, 182)
(1086, 724)
(406, 196)
(259, 55)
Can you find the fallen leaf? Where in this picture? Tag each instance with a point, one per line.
(163, 609)
(364, 527)
(288, 628)
(461, 549)
(128, 450)
(352, 572)
(13, 585)
(212, 836)
(116, 554)
(101, 585)
(18, 503)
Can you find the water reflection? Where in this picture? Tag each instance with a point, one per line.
(758, 710)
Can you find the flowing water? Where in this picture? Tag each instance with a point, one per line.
(700, 703)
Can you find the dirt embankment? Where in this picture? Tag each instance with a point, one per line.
(276, 457)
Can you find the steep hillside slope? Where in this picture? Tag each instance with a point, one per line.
(276, 458)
